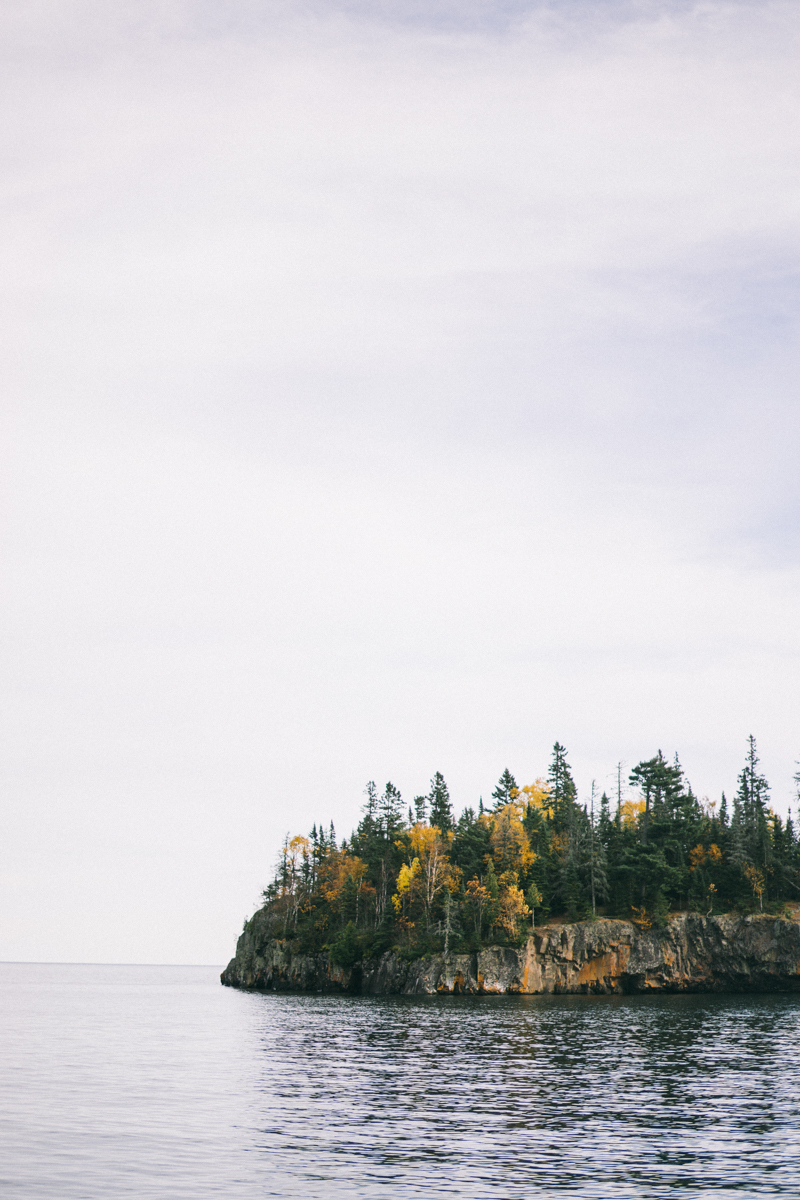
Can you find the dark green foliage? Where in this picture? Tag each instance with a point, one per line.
(384, 935)
(570, 890)
(506, 789)
(661, 784)
(493, 888)
(390, 812)
(562, 789)
(348, 947)
(349, 900)
(537, 853)
(470, 844)
(441, 812)
(723, 812)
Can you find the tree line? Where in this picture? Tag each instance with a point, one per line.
(419, 879)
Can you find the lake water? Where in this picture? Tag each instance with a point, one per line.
(157, 1082)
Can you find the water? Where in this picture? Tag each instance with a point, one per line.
(157, 1082)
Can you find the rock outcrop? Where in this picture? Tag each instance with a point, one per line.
(690, 954)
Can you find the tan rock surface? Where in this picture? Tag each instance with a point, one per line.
(691, 954)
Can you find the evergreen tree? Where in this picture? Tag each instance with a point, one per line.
(661, 784)
(737, 834)
(390, 812)
(506, 789)
(492, 886)
(571, 890)
(752, 797)
(559, 855)
(596, 866)
(563, 792)
(440, 809)
(369, 821)
(470, 845)
(723, 811)
(605, 823)
(348, 905)
(375, 841)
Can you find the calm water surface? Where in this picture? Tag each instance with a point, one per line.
(157, 1082)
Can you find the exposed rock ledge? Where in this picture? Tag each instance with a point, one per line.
(692, 954)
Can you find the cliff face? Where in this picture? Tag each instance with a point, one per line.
(692, 954)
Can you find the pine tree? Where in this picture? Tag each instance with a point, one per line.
(567, 856)
(571, 890)
(506, 789)
(723, 811)
(598, 876)
(348, 904)
(374, 841)
(737, 839)
(661, 784)
(562, 789)
(605, 821)
(391, 823)
(369, 820)
(441, 812)
(470, 844)
(390, 812)
(753, 797)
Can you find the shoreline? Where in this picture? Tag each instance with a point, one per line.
(691, 953)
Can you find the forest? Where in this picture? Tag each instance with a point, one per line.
(419, 879)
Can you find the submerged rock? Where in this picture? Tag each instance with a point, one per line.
(690, 954)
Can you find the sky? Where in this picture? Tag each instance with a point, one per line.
(389, 388)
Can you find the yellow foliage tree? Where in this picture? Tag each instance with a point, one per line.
(400, 900)
(294, 869)
(710, 896)
(699, 856)
(334, 871)
(478, 897)
(511, 848)
(538, 794)
(430, 871)
(630, 811)
(513, 908)
(756, 880)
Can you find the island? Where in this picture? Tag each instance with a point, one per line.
(537, 892)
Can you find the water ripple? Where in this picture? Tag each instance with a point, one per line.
(156, 1082)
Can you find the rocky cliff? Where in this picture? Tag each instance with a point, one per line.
(691, 954)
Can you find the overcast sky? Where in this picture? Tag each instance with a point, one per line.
(389, 388)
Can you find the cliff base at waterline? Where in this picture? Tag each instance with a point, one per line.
(691, 953)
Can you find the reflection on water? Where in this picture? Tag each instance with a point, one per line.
(528, 1096)
(157, 1082)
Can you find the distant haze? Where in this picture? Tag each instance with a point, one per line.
(388, 388)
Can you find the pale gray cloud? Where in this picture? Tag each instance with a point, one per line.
(391, 389)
